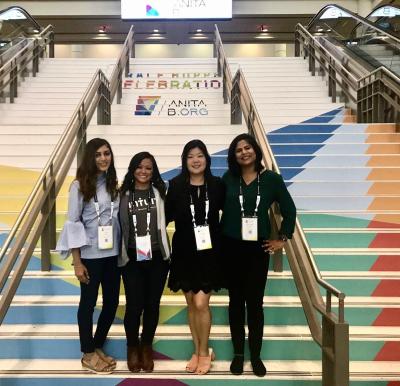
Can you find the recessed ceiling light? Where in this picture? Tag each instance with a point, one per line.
(264, 36)
(199, 30)
(155, 37)
(156, 30)
(101, 37)
(198, 37)
(36, 31)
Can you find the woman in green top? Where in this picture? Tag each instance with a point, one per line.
(250, 192)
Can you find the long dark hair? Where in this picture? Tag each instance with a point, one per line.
(233, 165)
(129, 179)
(184, 157)
(87, 171)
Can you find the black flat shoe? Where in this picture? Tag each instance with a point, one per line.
(237, 364)
(258, 367)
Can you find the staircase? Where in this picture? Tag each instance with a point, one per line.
(344, 178)
(352, 229)
(30, 127)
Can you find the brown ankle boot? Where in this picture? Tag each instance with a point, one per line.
(134, 359)
(147, 358)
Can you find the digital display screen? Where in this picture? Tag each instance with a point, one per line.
(176, 9)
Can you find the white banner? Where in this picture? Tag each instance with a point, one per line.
(176, 9)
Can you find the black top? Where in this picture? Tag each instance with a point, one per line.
(193, 270)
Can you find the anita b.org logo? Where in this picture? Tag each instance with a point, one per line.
(150, 11)
(146, 105)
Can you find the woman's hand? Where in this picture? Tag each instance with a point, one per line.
(82, 273)
(270, 246)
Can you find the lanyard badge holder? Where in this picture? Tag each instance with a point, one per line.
(201, 232)
(250, 223)
(143, 243)
(105, 237)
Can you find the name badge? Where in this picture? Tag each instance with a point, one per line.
(203, 238)
(250, 228)
(105, 237)
(143, 248)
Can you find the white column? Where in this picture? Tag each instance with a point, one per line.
(364, 7)
(280, 50)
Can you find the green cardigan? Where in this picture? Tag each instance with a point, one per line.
(272, 188)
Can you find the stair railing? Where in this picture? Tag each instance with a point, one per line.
(333, 335)
(375, 96)
(37, 218)
(25, 60)
(122, 66)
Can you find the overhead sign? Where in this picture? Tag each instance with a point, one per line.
(176, 9)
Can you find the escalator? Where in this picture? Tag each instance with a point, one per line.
(362, 44)
(17, 26)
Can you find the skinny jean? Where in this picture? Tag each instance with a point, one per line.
(144, 284)
(247, 270)
(104, 272)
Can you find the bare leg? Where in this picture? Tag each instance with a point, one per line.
(192, 364)
(192, 320)
(202, 320)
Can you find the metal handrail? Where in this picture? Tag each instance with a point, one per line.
(121, 66)
(379, 107)
(39, 208)
(332, 336)
(273, 165)
(360, 19)
(59, 158)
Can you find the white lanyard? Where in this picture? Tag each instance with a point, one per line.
(207, 209)
(97, 206)
(132, 207)
(241, 197)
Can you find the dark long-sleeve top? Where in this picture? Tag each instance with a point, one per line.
(177, 206)
(272, 189)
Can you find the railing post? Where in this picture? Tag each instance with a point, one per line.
(335, 352)
(81, 138)
(236, 110)
(51, 45)
(46, 236)
(127, 65)
(13, 81)
(119, 88)
(277, 256)
(297, 43)
(311, 60)
(224, 87)
(35, 61)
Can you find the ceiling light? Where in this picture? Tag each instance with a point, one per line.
(156, 30)
(263, 28)
(320, 30)
(155, 37)
(264, 36)
(36, 31)
(199, 30)
(101, 37)
(103, 29)
(198, 37)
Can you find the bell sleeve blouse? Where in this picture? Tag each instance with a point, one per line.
(81, 227)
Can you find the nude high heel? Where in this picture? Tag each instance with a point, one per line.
(205, 362)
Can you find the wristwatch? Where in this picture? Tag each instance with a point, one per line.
(283, 238)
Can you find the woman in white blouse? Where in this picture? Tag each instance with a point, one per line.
(92, 234)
